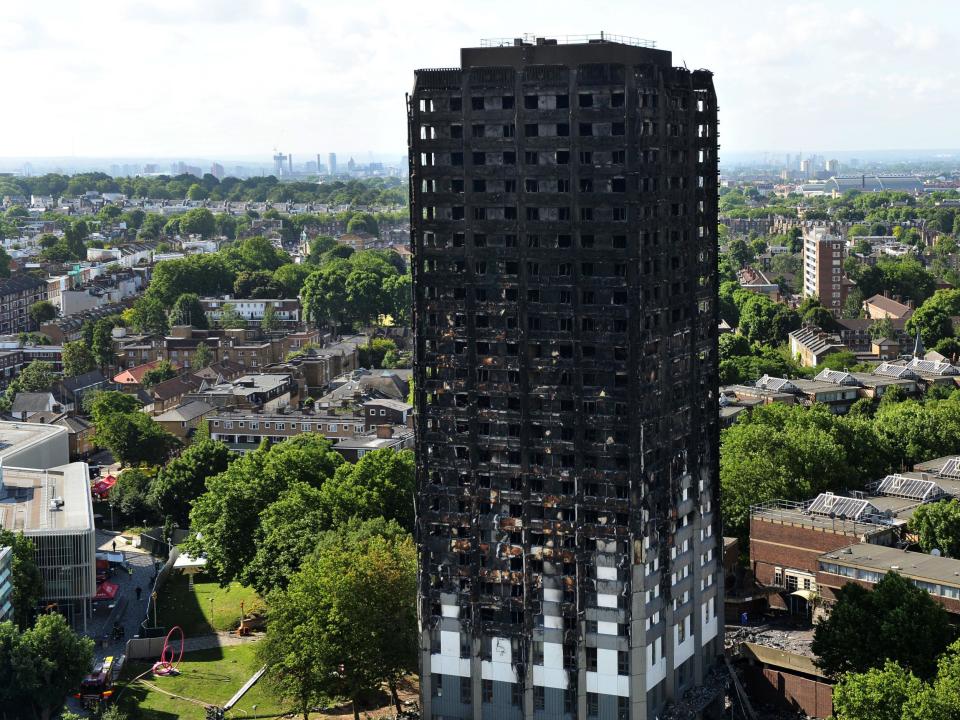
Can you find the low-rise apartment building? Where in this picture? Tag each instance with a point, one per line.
(285, 310)
(17, 293)
(866, 565)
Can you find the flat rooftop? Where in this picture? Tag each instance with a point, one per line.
(880, 558)
(798, 513)
(16, 437)
(563, 50)
(28, 496)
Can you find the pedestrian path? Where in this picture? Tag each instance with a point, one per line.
(128, 610)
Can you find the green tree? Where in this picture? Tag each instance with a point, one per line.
(740, 253)
(880, 329)
(792, 452)
(131, 494)
(347, 622)
(198, 221)
(398, 290)
(101, 341)
(320, 245)
(766, 322)
(912, 431)
(196, 192)
(290, 278)
(183, 479)
(380, 484)
(933, 319)
(188, 310)
(150, 315)
(895, 621)
(135, 438)
(39, 666)
(363, 222)
(949, 348)
(937, 526)
(371, 355)
(75, 235)
(324, 294)
(228, 515)
(270, 321)
(202, 357)
(160, 372)
(258, 253)
(256, 284)
(230, 319)
(941, 698)
(103, 403)
(42, 312)
(733, 345)
(38, 376)
(25, 577)
(289, 531)
(877, 694)
(77, 359)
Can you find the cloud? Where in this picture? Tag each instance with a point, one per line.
(221, 78)
(220, 12)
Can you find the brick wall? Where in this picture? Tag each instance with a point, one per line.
(797, 692)
(775, 543)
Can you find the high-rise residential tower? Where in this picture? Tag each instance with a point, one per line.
(332, 164)
(563, 218)
(823, 273)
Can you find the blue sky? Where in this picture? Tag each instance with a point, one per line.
(228, 78)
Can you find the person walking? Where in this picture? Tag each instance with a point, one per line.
(114, 545)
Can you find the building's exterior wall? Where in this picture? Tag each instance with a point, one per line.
(813, 697)
(776, 544)
(565, 374)
(48, 449)
(17, 294)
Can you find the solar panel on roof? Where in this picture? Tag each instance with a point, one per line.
(837, 377)
(840, 506)
(901, 372)
(932, 367)
(951, 469)
(897, 485)
(776, 384)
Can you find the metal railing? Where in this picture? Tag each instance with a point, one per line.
(534, 39)
(789, 511)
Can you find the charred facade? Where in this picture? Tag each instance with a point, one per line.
(564, 214)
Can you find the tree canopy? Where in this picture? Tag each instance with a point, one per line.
(228, 515)
(346, 623)
(39, 666)
(26, 579)
(895, 621)
(937, 526)
(183, 479)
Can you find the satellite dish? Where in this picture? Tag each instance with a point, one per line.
(936, 552)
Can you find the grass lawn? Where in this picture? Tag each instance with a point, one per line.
(205, 609)
(210, 676)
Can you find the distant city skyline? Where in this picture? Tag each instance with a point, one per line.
(228, 78)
